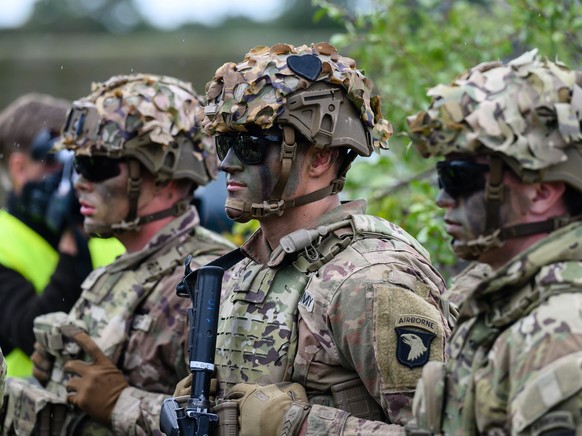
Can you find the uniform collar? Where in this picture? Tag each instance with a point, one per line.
(510, 290)
(258, 249)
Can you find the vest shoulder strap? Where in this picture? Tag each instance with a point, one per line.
(373, 226)
(330, 240)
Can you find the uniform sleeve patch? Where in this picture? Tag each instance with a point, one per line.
(413, 346)
(407, 334)
(555, 423)
(307, 301)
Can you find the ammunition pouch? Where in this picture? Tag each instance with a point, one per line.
(30, 409)
(353, 397)
(53, 332)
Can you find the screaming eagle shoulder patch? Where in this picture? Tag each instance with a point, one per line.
(414, 334)
(408, 334)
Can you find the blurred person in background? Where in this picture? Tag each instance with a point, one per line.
(2, 377)
(44, 256)
(209, 201)
(140, 155)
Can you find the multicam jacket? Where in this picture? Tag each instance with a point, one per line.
(131, 310)
(360, 306)
(516, 354)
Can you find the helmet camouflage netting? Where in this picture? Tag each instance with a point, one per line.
(254, 92)
(148, 117)
(528, 109)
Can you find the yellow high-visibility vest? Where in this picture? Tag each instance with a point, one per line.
(30, 255)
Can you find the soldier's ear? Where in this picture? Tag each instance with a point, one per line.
(547, 198)
(322, 161)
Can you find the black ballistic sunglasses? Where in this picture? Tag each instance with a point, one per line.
(97, 169)
(461, 178)
(250, 149)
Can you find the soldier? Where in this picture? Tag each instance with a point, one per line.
(344, 305)
(140, 154)
(510, 184)
(44, 255)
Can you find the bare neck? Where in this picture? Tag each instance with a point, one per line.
(135, 241)
(306, 216)
(510, 249)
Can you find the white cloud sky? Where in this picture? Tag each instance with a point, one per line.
(166, 14)
(14, 13)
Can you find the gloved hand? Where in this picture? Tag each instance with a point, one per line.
(42, 363)
(98, 385)
(184, 387)
(267, 410)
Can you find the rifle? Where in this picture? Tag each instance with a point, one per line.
(203, 287)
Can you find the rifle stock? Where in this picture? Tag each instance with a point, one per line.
(203, 286)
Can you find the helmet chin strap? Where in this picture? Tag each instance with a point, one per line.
(495, 236)
(132, 222)
(275, 205)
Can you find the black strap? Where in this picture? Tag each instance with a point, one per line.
(176, 210)
(225, 262)
(547, 226)
(133, 188)
(228, 260)
(494, 194)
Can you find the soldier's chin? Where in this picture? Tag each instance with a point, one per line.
(464, 251)
(97, 230)
(237, 215)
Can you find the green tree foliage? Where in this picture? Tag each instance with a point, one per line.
(408, 46)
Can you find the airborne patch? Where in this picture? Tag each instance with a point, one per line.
(414, 335)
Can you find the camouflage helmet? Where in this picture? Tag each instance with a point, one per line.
(148, 120)
(266, 89)
(527, 111)
(146, 117)
(524, 114)
(311, 90)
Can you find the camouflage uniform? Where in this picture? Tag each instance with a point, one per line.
(130, 307)
(153, 353)
(515, 355)
(352, 312)
(349, 321)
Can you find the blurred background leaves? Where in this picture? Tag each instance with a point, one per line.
(409, 46)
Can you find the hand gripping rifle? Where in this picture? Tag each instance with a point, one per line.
(203, 286)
